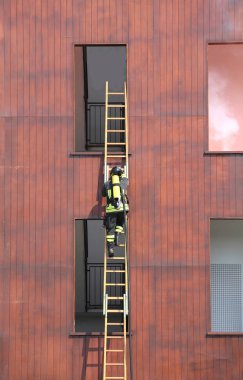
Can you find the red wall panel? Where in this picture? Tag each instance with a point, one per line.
(174, 188)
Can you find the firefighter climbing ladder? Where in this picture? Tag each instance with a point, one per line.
(115, 342)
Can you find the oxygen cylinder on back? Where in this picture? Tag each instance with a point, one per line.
(116, 189)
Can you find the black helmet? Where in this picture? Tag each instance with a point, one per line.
(117, 170)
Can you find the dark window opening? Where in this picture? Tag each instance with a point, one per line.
(94, 65)
(89, 277)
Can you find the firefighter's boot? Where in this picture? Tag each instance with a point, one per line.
(117, 238)
(110, 249)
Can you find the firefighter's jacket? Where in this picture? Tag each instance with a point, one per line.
(107, 192)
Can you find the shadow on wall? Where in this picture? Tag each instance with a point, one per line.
(96, 211)
(92, 359)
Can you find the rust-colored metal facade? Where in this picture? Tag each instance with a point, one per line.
(174, 187)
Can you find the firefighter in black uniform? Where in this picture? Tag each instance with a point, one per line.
(114, 191)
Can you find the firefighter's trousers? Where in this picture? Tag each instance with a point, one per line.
(114, 224)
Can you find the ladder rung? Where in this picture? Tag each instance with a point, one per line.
(114, 363)
(114, 350)
(115, 324)
(115, 311)
(116, 130)
(116, 105)
(116, 93)
(116, 155)
(114, 270)
(116, 258)
(115, 337)
(116, 118)
(113, 284)
(114, 298)
(115, 143)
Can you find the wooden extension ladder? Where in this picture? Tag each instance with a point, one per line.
(112, 156)
(115, 298)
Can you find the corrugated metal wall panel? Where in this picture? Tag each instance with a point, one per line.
(174, 189)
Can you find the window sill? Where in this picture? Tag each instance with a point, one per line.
(85, 154)
(224, 334)
(84, 334)
(90, 334)
(91, 154)
(222, 153)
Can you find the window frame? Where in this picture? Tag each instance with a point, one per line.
(209, 332)
(208, 152)
(99, 150)
(74, 332)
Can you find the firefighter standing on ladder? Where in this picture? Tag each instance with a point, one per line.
(114, 191)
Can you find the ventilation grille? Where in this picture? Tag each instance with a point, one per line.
(226, 297)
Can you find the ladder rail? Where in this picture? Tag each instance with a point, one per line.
(105, 305)
(125, 338)
(106, 127)
(126, 134)
(128, 290)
